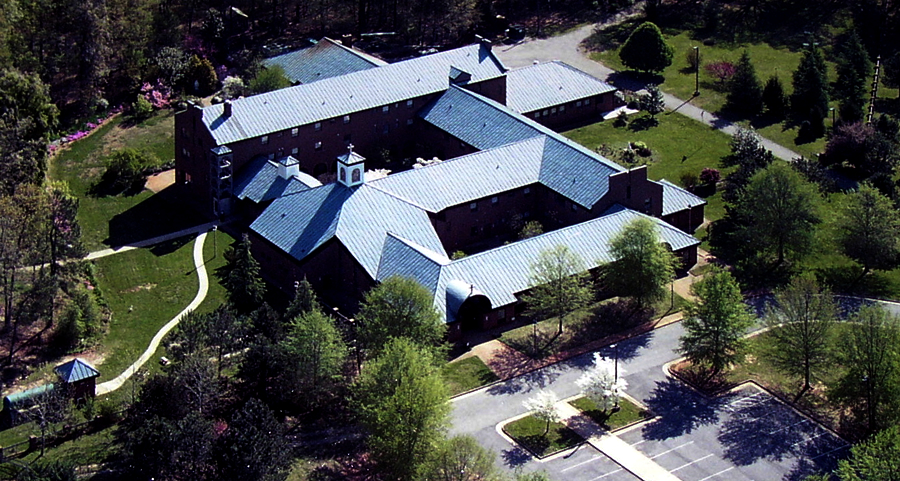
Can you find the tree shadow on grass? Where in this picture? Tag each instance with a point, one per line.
(643, 123)
(681, 410)
(162, 213)
(848, 279)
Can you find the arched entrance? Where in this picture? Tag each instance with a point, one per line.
(466, 305)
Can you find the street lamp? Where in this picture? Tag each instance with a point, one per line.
(215, 242)
(616, 374)
(833, 124)
(697, 71)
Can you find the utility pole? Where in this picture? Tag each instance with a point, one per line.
(697, 71)
(871, 114)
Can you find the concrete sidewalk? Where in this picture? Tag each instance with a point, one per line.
(619, 451)
(152, 241)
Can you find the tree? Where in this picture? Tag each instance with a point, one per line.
(870, 229)
(125, 170)
(602, 384)
(316, 354)
(240, 276)
(749, 154)
(253, 446)
(891, 68)
(399, 307)
(646, 49)
(559, 285)
(715, 324)
(402, 401)
(531, 229)
(781, 211)
(653, 101)
(26, 100)
(172, 448)
(854, 67)
(774, 99)
(225, 333)
(48, 471)
(869, 149)
(460, 458)
(304, 300)
(876, 459)
(201, 76)
(544, 405)
(642, 264)
(869, 354)
(269, 79)
(64, 231)
(810, 98)
(800, 327)
(745, 93)
(22, 160)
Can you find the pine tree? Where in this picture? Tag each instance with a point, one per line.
(240, 276)
(646, 49)
(745, 93)
(854, 67)
(774, 99)
(810, 98)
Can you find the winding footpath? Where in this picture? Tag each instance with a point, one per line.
(567, 48)
(202, 276)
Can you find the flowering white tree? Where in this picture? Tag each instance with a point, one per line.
(544, 406)
(599, 383)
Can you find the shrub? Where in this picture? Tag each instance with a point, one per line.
(710, 176)
(142, 108)
(641, 149)
(692, 56)
(621, 119)
(688, 180)
(202, 76)
(721, 71)
(233, 87)
(269, 79)
(125, 169)
(458, 255)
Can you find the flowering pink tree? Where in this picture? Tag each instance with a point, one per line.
(722, 71)
(709, 176)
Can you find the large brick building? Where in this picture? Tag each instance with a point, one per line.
(259, 158)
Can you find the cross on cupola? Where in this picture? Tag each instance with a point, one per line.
(351, 168)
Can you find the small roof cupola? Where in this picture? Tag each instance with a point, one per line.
(288, 167)
(351, 168)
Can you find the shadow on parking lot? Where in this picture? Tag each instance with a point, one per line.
(534, 380)
(766, 429)
(515, 457)
(681, 410)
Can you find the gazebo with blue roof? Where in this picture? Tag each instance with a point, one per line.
(79, 377)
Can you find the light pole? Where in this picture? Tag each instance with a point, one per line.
(355, 344)
(833, 124)
(697, 71)
(616, 374)
(215, 242)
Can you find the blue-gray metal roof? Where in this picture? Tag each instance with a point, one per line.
(360, 217)
(259, 181)
(549, 84)
(323, 60)
(489, 172)
(75, 370)
(675, 198)
(566, 167)
(22, 398)
(345, 94)
(505, 271)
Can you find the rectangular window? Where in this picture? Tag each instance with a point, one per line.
(318, 126)
(346, 119)
(409, 104)
(386, 128)
(546, 113)
(296, 131)
(462, 145)
(473, 206)
(494, 200)
(294, 151)
(587, 101)
(318, 145)
(574, 206)
(186, 152)
(347, 139)
(409, 121)
(562, 108)
(264, 139)
(385, 109)
(578, 104)
(527, 190)
(537, 115)
(553, 111)
(271, 156)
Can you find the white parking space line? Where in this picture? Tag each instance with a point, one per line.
(829, 452)
(690, 463)
(810, 438)
(804, 421)
(639, 442)
(720, 472)
(607, 474)
(582, 463)
(673, 449)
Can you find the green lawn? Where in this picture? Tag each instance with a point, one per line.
(467, 374)
(672, 139)
(145, 288)
(627, 414)
(117, 220)
(532, 434)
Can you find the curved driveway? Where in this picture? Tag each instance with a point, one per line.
(203, 278)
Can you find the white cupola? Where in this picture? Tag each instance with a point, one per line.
(351, 168)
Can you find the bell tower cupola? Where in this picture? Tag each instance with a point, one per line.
(351, 168)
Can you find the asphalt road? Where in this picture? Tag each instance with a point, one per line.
(743, 436)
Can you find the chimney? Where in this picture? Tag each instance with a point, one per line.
(288, 167)
(486, 43)
(347, 40)
(226, 109)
